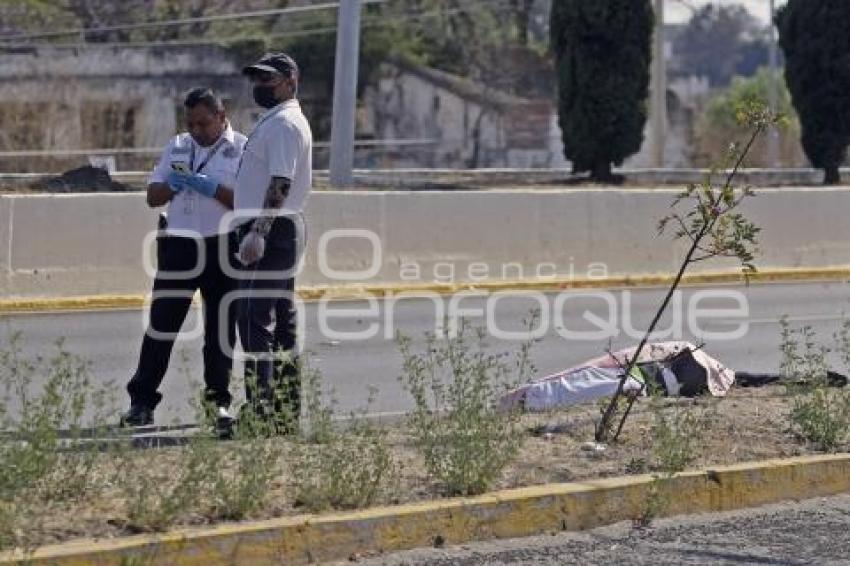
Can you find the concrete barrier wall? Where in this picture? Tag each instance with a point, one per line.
(66, 245)
(5, 244)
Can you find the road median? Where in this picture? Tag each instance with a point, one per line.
(508, 513)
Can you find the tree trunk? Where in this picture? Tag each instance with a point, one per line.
(602, 172)
(472, 163)
(831, 176)
(522, 9)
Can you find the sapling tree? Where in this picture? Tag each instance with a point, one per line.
(708, 217)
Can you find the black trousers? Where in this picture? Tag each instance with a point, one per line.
(172, 299)
(267, 319)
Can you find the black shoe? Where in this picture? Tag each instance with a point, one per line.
(138, 415)
(224, 423)
(835, 379)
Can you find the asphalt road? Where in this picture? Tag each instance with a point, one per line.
(577, 326)
(809, 532)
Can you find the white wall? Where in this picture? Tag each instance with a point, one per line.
(63, 245)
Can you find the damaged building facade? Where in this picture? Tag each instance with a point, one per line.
(64, 101)
(446, 121)
(116, 106)
(442, 120)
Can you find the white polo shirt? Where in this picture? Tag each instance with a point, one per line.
(191, 214)
(280, 145)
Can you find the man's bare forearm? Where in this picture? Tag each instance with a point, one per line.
(275, 197)
(224, 195)
(159, 194)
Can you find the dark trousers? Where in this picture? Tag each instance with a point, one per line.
(172, 299)
(267, 319)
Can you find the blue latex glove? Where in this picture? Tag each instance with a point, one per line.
(176, 182)
(203, 184)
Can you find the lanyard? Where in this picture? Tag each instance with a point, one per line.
(256, 128)
(209, 156)
(269, 114)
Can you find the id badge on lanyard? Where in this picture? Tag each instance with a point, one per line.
(189, 196)
(188, 201)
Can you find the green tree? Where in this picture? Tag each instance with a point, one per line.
(718, 125)
(36, 16)
(814, 38)
(480, 41)
(22, 16)
(719, 42)
(602, 52)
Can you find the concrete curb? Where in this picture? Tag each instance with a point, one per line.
(509, 513)
(98, 302)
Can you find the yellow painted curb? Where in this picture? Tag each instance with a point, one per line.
(96, 302)
(92, 302)
(510, 513)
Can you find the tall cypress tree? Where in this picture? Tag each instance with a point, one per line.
(815, 37)
(602, 50)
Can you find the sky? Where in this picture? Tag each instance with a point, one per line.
(675, 11)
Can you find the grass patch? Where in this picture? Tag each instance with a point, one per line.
(822, 417)
(820, 413)
(340, 466)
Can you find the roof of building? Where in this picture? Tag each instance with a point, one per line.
(463, 87)
(98, 61)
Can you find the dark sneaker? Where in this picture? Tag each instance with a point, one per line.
(835, 379)
(138, 415)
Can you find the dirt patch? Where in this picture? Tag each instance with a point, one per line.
(747, 425)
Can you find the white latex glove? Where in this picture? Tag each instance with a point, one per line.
(252, 248)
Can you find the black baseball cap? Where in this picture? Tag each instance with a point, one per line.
(277, 63)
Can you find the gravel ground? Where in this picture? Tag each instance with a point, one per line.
(810, 532)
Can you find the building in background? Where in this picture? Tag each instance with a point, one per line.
(447, 121)
(95, 97)
(686, 100)
(129, 97)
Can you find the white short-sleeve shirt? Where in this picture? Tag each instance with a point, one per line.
(191, 214)
(280, 145)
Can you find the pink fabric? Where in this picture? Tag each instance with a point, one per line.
(720, 378)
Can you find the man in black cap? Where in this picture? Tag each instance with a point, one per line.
(272, 187)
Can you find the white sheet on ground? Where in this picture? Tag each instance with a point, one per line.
(598, 378)
(579, 386)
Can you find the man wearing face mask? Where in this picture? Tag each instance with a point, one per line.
(272, 187)
(194, 178)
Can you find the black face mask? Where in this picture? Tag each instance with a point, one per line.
(264, 96)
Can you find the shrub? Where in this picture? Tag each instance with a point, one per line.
(465, 440)
(822, 417)
(339, 465)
